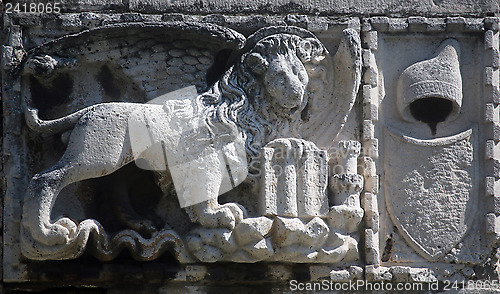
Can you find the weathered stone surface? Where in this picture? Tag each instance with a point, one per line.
(199, 157)
(436, 77)
(409, 201)
(293, 231)
(260, 250)
(252, 229)
(394, 8)
(345, 218)
(428, 168)
(300, 145)
(294, 181)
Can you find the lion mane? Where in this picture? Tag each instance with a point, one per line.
(238, 101)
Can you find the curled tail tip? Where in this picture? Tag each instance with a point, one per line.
(36, 124)
(31, 117)
(52, 126)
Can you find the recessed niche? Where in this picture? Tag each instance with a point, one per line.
(431, 111)
(430, 90)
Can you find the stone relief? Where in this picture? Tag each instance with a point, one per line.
(431, 189)
(431, 197)
(265, 148)
(261, 124)
(430, 194)
(437, 81)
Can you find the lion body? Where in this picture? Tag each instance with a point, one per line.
(249, 97)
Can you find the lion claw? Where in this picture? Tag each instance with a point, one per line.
(239, 212)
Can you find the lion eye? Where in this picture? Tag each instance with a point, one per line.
(302, 76)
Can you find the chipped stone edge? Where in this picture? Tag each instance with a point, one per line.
(95, 19)
(492, 130)
(420, 24)
(399, 274)
(370, 144)
(370, 29)
(14, 174)
(24, 24)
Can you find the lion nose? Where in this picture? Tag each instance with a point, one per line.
(297, 88)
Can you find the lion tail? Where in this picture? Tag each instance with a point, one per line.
(51, 126)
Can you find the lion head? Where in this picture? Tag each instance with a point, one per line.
(265, 94)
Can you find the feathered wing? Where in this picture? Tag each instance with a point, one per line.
(333, 90)
(134, 62)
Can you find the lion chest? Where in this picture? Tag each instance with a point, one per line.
(175, 135)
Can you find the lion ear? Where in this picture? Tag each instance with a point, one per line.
(304, 50)
(256, 63)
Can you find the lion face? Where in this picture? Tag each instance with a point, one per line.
(284, 78)
(285, 81)
(264, 94)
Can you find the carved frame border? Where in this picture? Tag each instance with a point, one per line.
(370, 144)
(14, 174)
(490, 27)
(16, 178)
(492, 134)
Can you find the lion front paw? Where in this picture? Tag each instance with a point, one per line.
(222, 217)
(239, 212)
(291, 147)
(218, 216)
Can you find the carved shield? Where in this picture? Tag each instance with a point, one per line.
(430, 189)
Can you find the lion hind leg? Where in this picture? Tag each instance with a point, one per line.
(38, 203)
(44, 189)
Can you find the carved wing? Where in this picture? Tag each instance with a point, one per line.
(333, 83)
(334, 88)
(133, 62)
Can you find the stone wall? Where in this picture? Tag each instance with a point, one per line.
(255, 146)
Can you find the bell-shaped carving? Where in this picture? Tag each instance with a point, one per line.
(430, 91)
